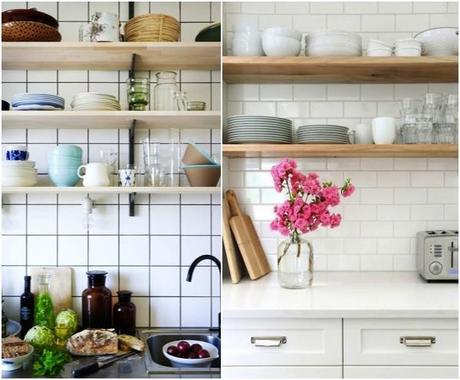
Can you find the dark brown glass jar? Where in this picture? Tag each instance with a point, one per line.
(124, 314)
(96, 302)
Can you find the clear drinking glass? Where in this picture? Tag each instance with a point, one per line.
(424, 132)
(181, 100)
(164, 91)
(110, 158)
(409, 129)
(138, 91)
(446, 132)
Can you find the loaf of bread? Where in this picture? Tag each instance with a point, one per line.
(91, 342)
(128, 343)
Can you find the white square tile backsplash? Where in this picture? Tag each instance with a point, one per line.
(395, 197)
(146, 253)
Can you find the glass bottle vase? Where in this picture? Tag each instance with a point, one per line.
(295, 263)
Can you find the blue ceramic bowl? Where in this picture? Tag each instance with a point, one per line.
(63, 176)
(73, 151)
(17, 153)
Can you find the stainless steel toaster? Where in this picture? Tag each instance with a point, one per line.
(437, 255)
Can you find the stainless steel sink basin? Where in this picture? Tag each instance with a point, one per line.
(155, 361)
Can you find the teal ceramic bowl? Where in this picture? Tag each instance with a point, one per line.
(67, 151)
(63, 176)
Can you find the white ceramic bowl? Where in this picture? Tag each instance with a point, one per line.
(247, 46)
(408, 52)
(15, 363)
(244, 28)
(276, 46)
(333, 43)
(408, 43)
(379, 52)
(184, 363)
(22, 164)
(283, 32)
(439, 41)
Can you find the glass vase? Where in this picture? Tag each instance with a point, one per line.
(166, 87)
(295, 263)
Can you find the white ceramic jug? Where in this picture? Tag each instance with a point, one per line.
(95, 174)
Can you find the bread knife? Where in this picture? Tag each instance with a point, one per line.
(98, 364)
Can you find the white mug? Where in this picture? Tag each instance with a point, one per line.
(383, 130)
(95, 174)
(363, 134)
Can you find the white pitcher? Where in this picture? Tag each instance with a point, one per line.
(95, 174)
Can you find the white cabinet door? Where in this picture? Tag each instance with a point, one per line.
(405, 342)
(332, 372)
(281, 342)
(391, 372)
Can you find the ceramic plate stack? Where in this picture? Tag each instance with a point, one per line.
(92, 101)
(35, 101)
(152, 28)
(322, 134)
(19, 173)
(258, 130)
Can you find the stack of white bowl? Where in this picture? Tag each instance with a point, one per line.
(408, 47)
(17, 170)
(93, 101)
(377, 48)
(281, 42)
(330, 43)
(246, 40)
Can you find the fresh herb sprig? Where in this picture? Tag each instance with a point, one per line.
(50, 362)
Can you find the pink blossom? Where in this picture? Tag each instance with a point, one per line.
(309, 201)
(347, 191)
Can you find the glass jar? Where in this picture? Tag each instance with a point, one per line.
(44, 311)
(124, 314)
(163, 93)
(96, 302)
(295, 263)
(138, 91)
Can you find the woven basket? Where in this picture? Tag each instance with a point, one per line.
(152, 28)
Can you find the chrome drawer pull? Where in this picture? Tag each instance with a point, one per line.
(417, 341)
(268, 341)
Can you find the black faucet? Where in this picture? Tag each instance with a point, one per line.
(198, 260)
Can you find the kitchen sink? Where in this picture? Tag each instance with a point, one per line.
(157, 363)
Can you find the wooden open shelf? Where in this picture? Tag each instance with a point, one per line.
(109, 190)
(340, 69)
(111, 119)
(352, 150)
(110, 55)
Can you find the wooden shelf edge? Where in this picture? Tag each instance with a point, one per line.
(111, 119)
(355, 150)
(340, 69)
(110, 190)
(110, 55)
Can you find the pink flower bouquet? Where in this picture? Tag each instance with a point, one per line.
(309, 201)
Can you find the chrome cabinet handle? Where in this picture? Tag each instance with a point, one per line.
(268, 341)
(417, 341)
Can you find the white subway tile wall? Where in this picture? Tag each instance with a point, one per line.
(395, 197)
(149, 253)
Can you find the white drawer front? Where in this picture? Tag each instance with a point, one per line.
(332, 372)
(377, 342)
(390, 372)
(307, 342)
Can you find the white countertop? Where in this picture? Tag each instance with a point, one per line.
(342, 295)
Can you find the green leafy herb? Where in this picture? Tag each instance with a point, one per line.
(50, 362)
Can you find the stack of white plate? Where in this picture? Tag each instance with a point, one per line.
(258, 130)
(322, 134)
(92, 101)
(35, 101)
(19, 173)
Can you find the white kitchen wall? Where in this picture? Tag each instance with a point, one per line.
(149, 253)
(395, 197)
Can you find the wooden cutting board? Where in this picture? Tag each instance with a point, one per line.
(235, 263)
(246, 237)
(60, 285)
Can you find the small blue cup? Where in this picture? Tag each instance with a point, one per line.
(17, 153)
